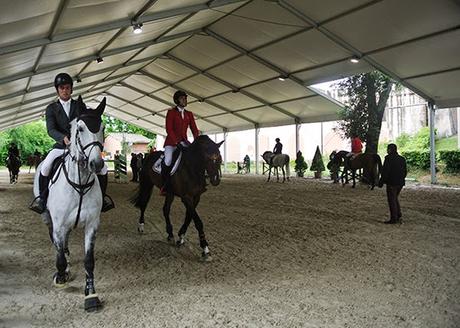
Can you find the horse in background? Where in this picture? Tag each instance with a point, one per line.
(34, 160)
(276, 161)
(370, 163)
(13, 163)
(75, 197)
(200, 160)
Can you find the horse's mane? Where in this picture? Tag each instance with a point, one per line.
(194, 158)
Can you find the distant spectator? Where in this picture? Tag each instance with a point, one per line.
(140, 160)
(394, 173)
(133, 164)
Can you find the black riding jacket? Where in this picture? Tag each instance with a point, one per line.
(278, 148)
(57, 122)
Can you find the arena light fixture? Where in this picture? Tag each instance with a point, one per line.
(137, 27)
(354, 59)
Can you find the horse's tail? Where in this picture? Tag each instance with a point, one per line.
(144, 191)
(288, 166)
(378, 160)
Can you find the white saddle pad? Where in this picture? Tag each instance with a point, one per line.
(157, 165)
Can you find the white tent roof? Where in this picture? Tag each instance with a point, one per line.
(226, 54)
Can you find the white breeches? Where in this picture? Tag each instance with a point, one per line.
(169, 151)
(49, 159)
(55, 153)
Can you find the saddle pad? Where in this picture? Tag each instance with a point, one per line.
(157, 165)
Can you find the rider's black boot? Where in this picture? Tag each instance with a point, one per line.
(166, 177)
(107, 202)
(39, 203)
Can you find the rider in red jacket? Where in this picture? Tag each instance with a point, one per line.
(178, 120)
(356, 145)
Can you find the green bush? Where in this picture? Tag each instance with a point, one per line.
(419, 142)
(452, 160)
(417, 159)
(317, 165)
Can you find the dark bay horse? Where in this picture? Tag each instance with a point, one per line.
(199, 160)
(13, 163)
(34, 160)
(370, 163)
(276, 161)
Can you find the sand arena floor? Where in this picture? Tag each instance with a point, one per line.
(299, 254)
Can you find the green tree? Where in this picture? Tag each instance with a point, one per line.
(317, 164)
(29, 137)
(113, 124)
(362, 116)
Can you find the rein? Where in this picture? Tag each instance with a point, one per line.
(81, 188)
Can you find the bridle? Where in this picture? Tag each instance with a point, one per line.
(82, 149)
(81, 188)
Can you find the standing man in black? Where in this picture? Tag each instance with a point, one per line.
(393, 175)
(134, 167)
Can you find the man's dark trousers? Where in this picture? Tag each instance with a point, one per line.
(393, 202)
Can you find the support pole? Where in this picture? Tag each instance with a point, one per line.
(297, 133)
(432, 110)
(256, 135)
(458, 127)
(322, 138)
(225, 150)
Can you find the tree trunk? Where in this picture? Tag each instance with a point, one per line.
(376, 112)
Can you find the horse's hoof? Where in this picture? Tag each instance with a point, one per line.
(140, 228)
(171, 240)
(206, 257)
(180, 242)
(61, 282)
(92, 303)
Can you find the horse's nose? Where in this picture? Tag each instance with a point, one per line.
(96, 165)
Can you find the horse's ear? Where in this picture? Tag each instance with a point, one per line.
(81, 107)
(220, 143)
(101, 107)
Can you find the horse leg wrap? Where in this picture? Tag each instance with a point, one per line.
(203, 241)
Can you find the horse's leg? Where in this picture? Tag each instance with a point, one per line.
(61, 277)
(284, 173)
(206, 254)
(67, 252)
(372, 177)
(353, 177)
(166, 210)
(92, 302)
(277, 175)
(344, 175)
(269, 172)
(184, 227)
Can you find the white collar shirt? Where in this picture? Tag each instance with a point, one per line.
(181, 111)
(66, 106)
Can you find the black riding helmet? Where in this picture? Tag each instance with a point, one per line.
(63, 79)
(177, 95)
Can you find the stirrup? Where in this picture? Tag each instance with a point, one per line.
(107, 203)
(37, 205)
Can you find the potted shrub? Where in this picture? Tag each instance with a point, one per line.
(317, 165)
(300, 165)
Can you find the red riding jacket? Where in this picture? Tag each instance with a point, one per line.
(176, 126)
(356, 145)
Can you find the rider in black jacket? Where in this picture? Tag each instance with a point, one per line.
(59, 114)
